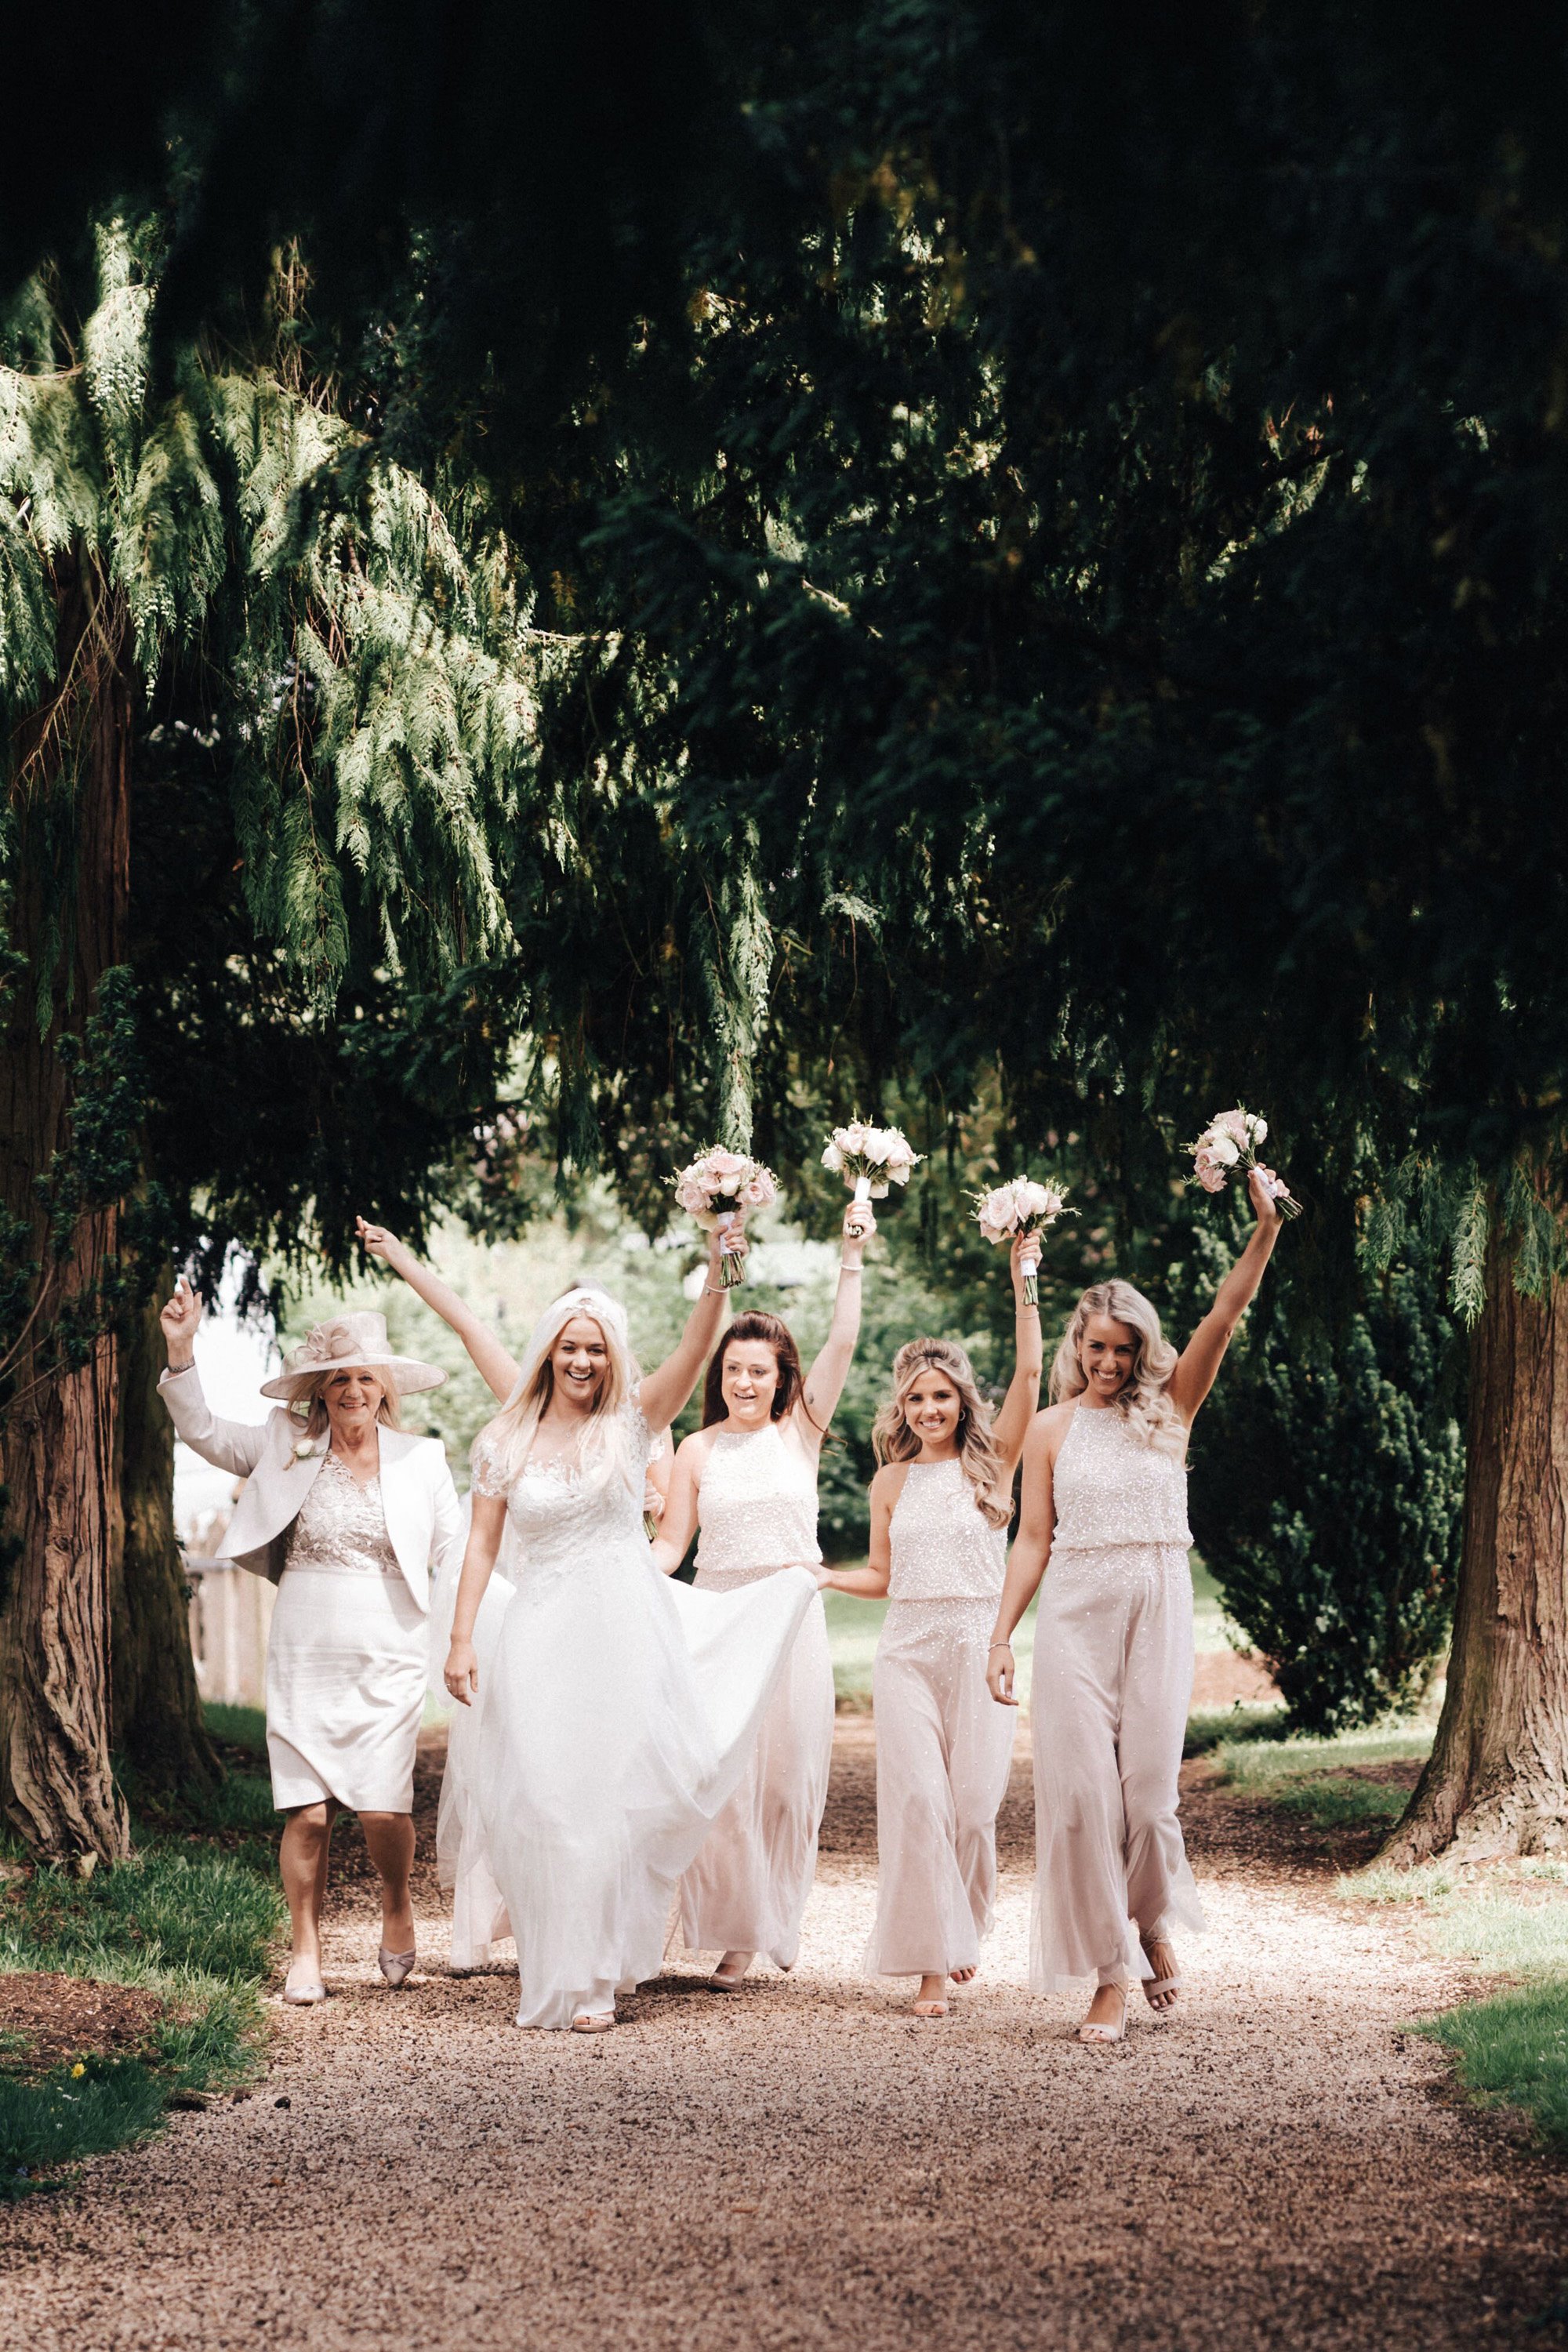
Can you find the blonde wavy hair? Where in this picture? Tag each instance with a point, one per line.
(893, 1440)
(308, 1404)
(1144, 1400)
(504, 1444)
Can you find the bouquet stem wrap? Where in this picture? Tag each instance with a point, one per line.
(731, 1264)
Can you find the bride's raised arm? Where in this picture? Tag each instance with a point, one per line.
(495, 1367)
(665, 1391)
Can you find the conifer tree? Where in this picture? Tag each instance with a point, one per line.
(381, 691)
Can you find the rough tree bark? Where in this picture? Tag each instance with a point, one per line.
(1497, 1782)
(157, 1709)
(57, 1446)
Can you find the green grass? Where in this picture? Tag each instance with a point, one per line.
(1512, 2050)
(238, 1727)
(1510, 1919)
(61, 2118)
(193, 1918)
(1269, 1764)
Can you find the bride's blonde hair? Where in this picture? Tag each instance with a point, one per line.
(892, 1439)
(504, 1444)
(1144, 1398)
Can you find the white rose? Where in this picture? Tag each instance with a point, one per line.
(875, 1146)
(1259, 1129)
(1224, 1148)
(833, 1158)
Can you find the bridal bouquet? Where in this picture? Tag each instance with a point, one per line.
(869, 1158)
(1229, 1141)
(718, 1188)
(1021, 1207)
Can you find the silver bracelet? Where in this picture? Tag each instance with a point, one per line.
(999, 1645)
(709, 1291)
(849, 1269)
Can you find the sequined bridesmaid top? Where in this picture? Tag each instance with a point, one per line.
(341, 1528)
(756, 1508)
(1111, 1490)
(943, 1546)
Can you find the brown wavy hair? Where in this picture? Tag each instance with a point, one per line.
(892, 1439)
(775, 1333)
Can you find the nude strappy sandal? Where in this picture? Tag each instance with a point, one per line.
(1157, 1988)
(1095, 2036)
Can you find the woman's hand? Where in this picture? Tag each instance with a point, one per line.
(180, 1320)
(1264, 1207)
(860, 1224)
(736, 1253)
(1023, 1257)
(376, 1241)
(461, 1672)
(999, 1671)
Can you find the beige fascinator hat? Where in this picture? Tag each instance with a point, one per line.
(352, 1343)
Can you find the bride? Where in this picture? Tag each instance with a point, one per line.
(616, 1711)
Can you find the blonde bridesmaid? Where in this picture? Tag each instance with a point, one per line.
(1105, 1508)
(940, 1505)
(747, 1480)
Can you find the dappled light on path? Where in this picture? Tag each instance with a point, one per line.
(804, 2164)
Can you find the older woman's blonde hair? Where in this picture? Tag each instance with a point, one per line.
(310, 1401)
(892, 1439)
(1144, 1398)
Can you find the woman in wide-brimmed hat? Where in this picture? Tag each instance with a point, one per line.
(347, 1514)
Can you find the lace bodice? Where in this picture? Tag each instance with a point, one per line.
(558, 1514)
(944, 1548)
(756, 1508)
(341, 1527)
(1111, 1490)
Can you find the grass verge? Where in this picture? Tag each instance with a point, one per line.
(191, 1919)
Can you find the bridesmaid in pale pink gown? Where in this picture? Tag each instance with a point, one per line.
(747, 1480)
(940, 1506)
(1105, 1510)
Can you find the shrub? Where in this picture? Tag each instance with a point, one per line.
(1328, 1497)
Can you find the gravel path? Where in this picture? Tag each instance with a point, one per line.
(803, 2166)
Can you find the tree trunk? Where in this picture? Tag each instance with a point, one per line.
(71, 800)
(1497, 1782)
(157, 1709)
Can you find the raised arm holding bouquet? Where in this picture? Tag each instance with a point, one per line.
(718, 1188)
(871, 1160)
(1021, 1208)
(1232, 1141)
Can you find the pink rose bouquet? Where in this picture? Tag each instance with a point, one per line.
(718, 1188)
(869, 1158)
(1021, 1207)
(1229, 1141)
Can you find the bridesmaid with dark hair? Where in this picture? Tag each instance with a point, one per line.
(746, 1483)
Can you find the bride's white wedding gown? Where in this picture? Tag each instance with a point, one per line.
(616, 1711)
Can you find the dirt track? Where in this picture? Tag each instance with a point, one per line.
(803, 2164)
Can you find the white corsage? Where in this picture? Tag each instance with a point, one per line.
(307, 1449)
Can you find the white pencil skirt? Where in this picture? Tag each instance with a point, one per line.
(345, 1691)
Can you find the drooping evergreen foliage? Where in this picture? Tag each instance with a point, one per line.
(1327, 1490)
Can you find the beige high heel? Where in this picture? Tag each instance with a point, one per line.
(729, 1980)
(395, 1967)
(1095, 2035)
(592, 2020)
(1159, 1992)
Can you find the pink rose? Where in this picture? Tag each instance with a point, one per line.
(1210, 1174)
(760, 1191)
(1233, 1123)
(851, 1140)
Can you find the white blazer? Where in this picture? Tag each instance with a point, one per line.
(424, 1519)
